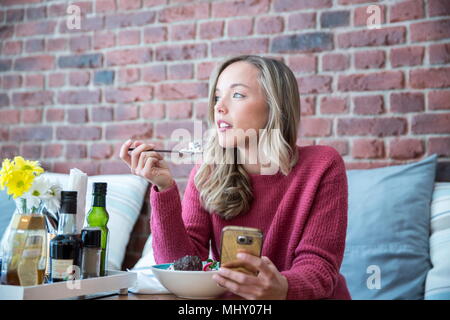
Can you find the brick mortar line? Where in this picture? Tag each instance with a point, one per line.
(285, 15)
(339, 94)
(57, 2)
(347, 158)
(387, 141)
(349, 71)
(335, 93)
(335, 6)
(226, 20)
(423, 44)
(198, 41)
(406, 116)
(157, 9)
(349, 51)
(384, 138)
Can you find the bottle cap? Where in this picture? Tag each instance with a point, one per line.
(99, 188)
(68, 202)
(91, 237)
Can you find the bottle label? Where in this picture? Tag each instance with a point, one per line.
(31, 253)
(33, 247)
(27, 269)
(62, 269)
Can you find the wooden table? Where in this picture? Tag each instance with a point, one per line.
(132, 296)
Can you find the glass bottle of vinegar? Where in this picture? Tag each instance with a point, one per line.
(65, 248)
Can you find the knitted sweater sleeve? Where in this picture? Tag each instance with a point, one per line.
(178, 227)
(318, 256)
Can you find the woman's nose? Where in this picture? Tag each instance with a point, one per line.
(220, 107)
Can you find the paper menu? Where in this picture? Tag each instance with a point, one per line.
(78, 181)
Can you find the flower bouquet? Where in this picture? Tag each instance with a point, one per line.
(24, 246)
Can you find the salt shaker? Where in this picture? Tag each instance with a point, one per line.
(92, 250)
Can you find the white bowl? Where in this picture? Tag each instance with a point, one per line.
(188, 284)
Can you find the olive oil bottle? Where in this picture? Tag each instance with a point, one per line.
(98, 217)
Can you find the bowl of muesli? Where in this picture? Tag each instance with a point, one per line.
(189, 277)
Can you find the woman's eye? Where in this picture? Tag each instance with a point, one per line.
(235, 95)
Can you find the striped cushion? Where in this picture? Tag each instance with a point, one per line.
(124, 199)
(437, 286)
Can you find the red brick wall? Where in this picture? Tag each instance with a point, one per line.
(140, 68)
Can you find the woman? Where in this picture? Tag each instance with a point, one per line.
(301, 208)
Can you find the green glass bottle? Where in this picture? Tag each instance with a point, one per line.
(98, 217)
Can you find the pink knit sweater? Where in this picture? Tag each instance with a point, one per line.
(303, 217)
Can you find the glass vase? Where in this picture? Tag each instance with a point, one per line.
(24, 257)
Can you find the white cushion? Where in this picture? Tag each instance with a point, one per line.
(437, 285)
(124, 199)
(147, 259)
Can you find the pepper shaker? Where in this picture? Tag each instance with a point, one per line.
(92, 250)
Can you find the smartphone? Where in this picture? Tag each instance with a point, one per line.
(236, 239)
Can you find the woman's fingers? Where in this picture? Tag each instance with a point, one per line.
(153, 154)
(146, 163)
(145, 155)
(238, 277)
(136, 154)
(124, 154)
(136, 144)
(240, 264)
(246, 291)
(264, 266)
(141, 163)
(149, 164)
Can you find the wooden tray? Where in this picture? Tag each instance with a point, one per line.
(115, 281)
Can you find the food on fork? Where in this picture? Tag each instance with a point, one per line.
(194, 147)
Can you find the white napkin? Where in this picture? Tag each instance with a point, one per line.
(78, 181)
(146, 282)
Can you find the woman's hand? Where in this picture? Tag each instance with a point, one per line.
(146, 163)
(269, 284)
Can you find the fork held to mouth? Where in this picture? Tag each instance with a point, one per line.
(194, 147)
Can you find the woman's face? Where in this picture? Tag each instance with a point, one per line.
(241, 102)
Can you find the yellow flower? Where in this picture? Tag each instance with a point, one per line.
(5, 173)
(18, 175)
(27, 165)
(19, 183)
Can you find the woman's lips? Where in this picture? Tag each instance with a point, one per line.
(224, 129)
(222, 125)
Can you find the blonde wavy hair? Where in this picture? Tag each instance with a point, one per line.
(223, 183)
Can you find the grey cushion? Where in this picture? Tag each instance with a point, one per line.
(7, 207)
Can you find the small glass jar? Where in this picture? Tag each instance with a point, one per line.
(24, 252)
(92, 251)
